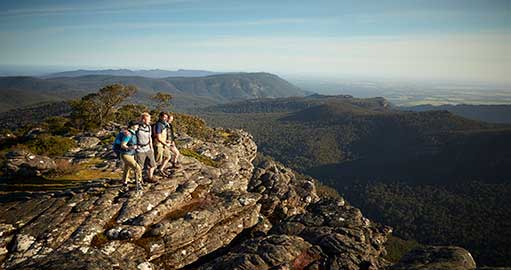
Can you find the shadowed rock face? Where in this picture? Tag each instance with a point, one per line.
(436, 258)
(231, 216)
(284, 194)
(328, 235)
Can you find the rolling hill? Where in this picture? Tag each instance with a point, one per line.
(189, 92)
(488, 113)
(342, 136)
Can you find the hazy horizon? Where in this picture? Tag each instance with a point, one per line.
(409, 40)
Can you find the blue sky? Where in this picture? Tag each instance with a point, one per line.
(458, 40)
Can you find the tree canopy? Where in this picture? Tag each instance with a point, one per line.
(96, 109)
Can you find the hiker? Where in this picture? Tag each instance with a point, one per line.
(161, 143)
(173, 148)
(125, 146)
(145, 147)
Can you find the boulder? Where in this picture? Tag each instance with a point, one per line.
(87, 142)
(436, 258)
(24, 163)
(267, 252)
(349, 239)
(285, 193)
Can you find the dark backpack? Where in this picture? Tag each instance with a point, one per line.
(153, 130)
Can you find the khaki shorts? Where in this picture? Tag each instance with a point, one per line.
(161, 153)
(141, 157)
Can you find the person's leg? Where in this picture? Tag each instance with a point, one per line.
(166, 159)
(150, 172)
(160, 159)
(138, 176)
(175, 155)
(151, 165)
(158, 154)
(140, 159)
(126, 170)
(132, 164)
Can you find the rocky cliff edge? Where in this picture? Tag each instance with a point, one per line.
(221, 214)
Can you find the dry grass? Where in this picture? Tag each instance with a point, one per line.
(205, 160)
(86, 171)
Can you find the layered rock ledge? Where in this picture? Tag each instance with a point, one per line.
(222, 214)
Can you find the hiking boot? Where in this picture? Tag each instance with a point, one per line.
(175, 164)
(139, 187)
(151, 180)
(164, 174)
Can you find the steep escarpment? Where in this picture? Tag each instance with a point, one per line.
(218, 211)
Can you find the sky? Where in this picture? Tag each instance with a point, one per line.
(462, 40)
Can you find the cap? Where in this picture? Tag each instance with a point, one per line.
(133, 123)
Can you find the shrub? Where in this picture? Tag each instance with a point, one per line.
(189, 124)
(192, 125)
(96, 109)
(129, 112)
(206, 160)
(64, 167)
(397, 247)
(326, 191)
(50, 145)
(58, 125)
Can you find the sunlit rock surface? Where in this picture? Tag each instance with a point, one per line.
(217, 211)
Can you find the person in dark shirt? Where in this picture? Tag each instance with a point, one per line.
(172, 147)
(161, 142)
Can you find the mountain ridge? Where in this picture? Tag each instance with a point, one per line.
(495, 113)
(189, 92)
(150, 73)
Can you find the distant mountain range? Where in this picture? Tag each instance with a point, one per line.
(150, 73)
(487, 113)
(366, 139)
(189, 93)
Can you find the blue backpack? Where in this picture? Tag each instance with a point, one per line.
(118, 150)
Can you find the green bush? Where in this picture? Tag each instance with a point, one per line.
(191, 153)
(58, 125)
(326, 191)
(397, 247)
(129, 112)
(50, 145)
(96, 109)
(192, 125)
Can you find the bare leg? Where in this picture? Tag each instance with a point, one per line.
(164, 164)
(175, 155)
(150, 172)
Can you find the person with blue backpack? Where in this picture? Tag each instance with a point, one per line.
(125, 146)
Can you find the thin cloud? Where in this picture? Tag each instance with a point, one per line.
(170, 25)
(106, 7)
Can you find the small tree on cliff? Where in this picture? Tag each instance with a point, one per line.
(162, 101)
(94, 110)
